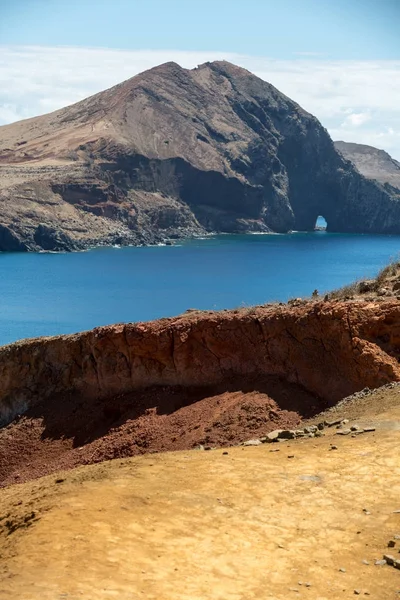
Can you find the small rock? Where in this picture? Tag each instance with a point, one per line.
(224, 453)
(255, 442)
(272, 436)
(307, 584)
(366, 511)
(291, 456)
(369, 429)
(299, 433)
(344, 421)
(318, 433)
(391, 544)
(342, 570)
(366, 286)
(293, 590)
(355, 428)
(365, 562)
(310, 429)
(380, 563)
(321, 425)
(286, 434)
(343, 432)
(207, 448)
(396, 537)
(332, 423)
(357, 592)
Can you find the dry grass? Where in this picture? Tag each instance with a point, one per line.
(355, 288)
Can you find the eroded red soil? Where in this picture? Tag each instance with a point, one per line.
(79, 432)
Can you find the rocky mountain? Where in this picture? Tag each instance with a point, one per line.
(173, 153)
(372, 162)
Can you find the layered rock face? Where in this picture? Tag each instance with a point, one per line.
(175, 153)
(330, 349)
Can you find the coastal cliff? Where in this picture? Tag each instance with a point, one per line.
(174, 153)
(331, 349)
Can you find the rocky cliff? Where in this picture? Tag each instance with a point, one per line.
(330, 349)
(174, 153)
(372, 163)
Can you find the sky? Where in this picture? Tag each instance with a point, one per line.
(339, 59)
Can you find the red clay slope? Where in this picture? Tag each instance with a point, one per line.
(204, 377)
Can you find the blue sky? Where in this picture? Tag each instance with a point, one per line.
(339, 59)
(349, 29)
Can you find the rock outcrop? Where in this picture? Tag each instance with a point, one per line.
(330, 349)
(175, 153)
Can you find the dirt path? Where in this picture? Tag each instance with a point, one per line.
(256, 523)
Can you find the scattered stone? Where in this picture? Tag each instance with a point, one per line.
(342, 570)
(355, 428)
(207, 448)
(286, 434)
(333, 447)
(396, 537)
(271, 437)
(357, 592)
(380, 563)
(332, 423)
(291, 456)
(366, 511)
(225, 453)
(299, 433)
(369, 429)
(310, 429)
(365, 562)
(382, 292)
(343, 432)
(391, 544)
(60, 480)
(255, 442)
(293, 590)
(200, 447)
(321, 426)
(318, 433)
(366, 286)
(344, 421)
(307, 584)
(396, 512)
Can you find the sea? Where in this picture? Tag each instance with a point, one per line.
(55, 293)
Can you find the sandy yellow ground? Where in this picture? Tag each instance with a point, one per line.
(257, 523)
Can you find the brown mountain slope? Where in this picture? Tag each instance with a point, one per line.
(371, 162)
(175, 152)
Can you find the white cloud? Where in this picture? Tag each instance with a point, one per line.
(355, 100)
(357, 119)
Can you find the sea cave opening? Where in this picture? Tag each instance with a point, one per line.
(320, 223)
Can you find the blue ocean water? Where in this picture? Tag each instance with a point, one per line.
(47, 294)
